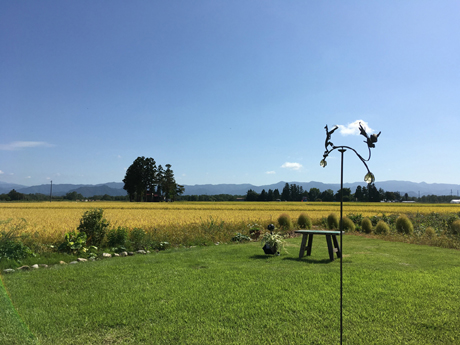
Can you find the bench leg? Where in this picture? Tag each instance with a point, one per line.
(329, 247)
(336, 246)
(310, 243)
(302, 246)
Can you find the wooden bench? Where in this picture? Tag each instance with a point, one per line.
(331, 239)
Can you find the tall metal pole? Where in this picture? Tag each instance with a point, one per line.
(341, 246)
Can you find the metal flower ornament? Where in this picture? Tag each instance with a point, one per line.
(369, 178)
(370, 141)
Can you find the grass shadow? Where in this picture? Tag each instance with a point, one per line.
(309, 260)
(262, 256)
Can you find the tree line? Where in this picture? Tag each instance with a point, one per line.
(14, 195)
(293, 192)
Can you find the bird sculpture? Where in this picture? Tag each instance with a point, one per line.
(370, 140)
(328, 136)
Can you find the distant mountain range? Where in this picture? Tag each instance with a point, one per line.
(116, 188)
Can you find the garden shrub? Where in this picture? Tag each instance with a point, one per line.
(304, 221)
(430, 232)
(404, 225)
(285, 221)
(382, 228)
(366, 225)
(117, 237)
(137, 236)
(455, 227)
(356, 218)
(11, 248)
(332, 221)
(94, 226)
(348, 224)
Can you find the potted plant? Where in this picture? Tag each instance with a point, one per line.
(272, 242)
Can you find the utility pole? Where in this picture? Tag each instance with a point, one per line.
(51, 190)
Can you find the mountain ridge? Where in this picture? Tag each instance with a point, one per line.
(116, 188)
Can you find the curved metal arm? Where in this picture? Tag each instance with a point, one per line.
(370, 140)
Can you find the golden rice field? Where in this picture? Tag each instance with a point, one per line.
(50, 221)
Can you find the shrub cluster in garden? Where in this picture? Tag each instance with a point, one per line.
(11, 246)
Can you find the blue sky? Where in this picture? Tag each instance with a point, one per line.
(228, 91)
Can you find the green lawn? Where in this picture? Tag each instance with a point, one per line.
(394, 293)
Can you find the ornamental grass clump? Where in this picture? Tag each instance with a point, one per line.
(332, 221)
(304, 221)
(430, 232)
(366, 225)
(382, 228)
(455, 227)
(285, 221)
(348, 225)
(404, 225)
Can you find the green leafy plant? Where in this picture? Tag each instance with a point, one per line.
(366, 225)
(304, 221)
(404, 225)
(240, 238)
(137, 237)
(332, 221)
(356, 218)
(11, 248)
(382, 228)
(117, 237)
(285, 221)
(94, 226)
(74, 243)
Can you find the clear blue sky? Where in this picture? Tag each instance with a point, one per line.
(228, 91)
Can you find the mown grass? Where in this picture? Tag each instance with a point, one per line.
(394, 293)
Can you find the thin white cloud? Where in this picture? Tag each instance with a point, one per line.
(292, 166)
(19, 145)
(270, 172)
(1, 172)
(353, 128)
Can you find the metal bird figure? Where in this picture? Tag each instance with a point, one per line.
(369, 140)
(328, 136)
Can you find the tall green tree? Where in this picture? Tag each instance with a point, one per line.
(141, 177)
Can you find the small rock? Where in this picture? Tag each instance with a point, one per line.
(124, 254)
(92, 259)
(73, 262)
(81, 260)
(62, 262)
(130, 253)
(43, 265)
(106, 255)
(35, 266)
(141, 252)
(8, 270)
(148, 251)
(116, 254)
(25, 268)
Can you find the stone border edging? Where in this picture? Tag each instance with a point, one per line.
(79, 260)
